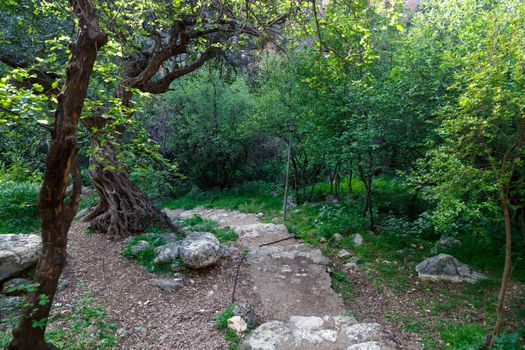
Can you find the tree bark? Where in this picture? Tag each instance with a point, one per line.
(504, 179)
(61, 162)
(505, 279)
(123, 209)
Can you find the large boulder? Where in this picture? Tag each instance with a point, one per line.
(444, 267)
(200, 249)
(18, 253)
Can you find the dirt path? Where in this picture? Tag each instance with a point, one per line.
(294, 286)
(149, 317)
(290, 277)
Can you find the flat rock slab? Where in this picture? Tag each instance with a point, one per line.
(18, 252)
(293, 280)
(222, 216)
(318, 333)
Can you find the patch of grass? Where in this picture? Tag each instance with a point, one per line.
(341, 284)
(85, 327)
(146, 257)
(199, 224)
(251, 197)
(19, 207)
(462, 336)
(221, 323)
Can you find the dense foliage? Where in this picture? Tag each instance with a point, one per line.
(412, 120)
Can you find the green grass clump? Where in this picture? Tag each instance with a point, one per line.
(341, 284)
(252, 197)
(146, 257)
(462, 336)
(19, 207)
(199, 224)
(221, 323)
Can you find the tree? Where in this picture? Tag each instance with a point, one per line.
(154, 43)
(61, 162)
(472, 171)
(163, 43)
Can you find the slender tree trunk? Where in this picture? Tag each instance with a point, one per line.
(504, 179)
(61, 162)
(505, 279)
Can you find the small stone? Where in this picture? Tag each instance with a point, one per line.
(245, 311)
(167, 253)
(322, 240)
(123, 332)
(362, 332)
(445, 243)
(63, 284)
(141, 245)
(357, 239)
(259, 215)
(343, 253)
(352, 263)
(337, 237)
(167, 285)
(237, 324)
(331, 199)
(176, 267)
(371, 345)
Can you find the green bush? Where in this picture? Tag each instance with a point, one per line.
(19, 207)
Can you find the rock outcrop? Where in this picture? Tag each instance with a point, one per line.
(18, 253)
(444, 267)
(319, 333)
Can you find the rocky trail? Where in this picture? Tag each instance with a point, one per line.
(285, 282)
(292, 282)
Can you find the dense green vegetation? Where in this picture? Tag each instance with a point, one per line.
(406, 125)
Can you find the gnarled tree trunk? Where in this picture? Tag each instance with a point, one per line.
(61, 162)
(123, 209)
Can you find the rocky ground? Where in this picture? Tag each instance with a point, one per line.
(293, 282)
